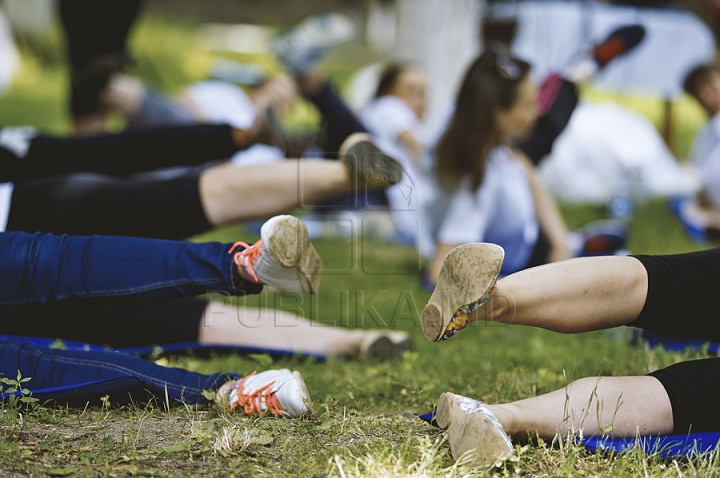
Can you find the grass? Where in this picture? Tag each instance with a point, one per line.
(365, 422)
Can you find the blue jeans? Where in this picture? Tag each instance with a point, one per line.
(40, 268)
(78, 376)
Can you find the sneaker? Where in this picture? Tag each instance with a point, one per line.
(618, 43)
(366, 163)
(467, 278)
(267, 129)
(279, 392)
(300, 48)
(471, 426)
(385, 345)
(283, 258)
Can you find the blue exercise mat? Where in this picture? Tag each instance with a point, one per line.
(674, 344)
(671, 446)
(147, 350)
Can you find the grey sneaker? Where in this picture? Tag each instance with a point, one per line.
(300, 48)
(467, 278)
(471, 426)
(367, 164)
(385, 345)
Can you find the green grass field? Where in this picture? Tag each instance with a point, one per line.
(365, 423)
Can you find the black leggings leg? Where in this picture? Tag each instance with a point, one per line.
(96, 28)
(86, 203)
(694, 391)
(108, 321)
(682, 298)
(120, 154)
(338, 121)
(552, 123)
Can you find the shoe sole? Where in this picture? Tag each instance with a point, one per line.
(471, 431)
(305, 394)
(290, 245)
(468, 274)
(368, 163)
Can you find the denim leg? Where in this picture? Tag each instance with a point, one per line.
(338, 120)
(116, 373)
(37, 268)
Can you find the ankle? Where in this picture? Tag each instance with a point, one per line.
(506, 414)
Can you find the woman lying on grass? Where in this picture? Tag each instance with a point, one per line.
(672, 294)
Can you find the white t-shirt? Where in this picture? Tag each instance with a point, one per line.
(705, 155)
(386, 118)
(501, 211)
(16, 140)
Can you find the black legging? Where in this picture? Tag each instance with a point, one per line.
(88, 203)
(96, 29)
(682, 301)
(119, 154)
(108, 322)
(338, 121)
(551, 124)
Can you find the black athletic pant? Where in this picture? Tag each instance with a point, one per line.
(110, 322)
(338, 121)
(95, 29)
(119, 154)
(551, 124)
(682, 301)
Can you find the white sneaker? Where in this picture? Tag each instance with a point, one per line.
(470, 425)
(300, 48)
(467, 279)
(283, 258)
(280, 392)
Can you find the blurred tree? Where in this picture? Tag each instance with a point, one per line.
(444, 37)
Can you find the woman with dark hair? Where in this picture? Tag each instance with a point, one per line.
(490, 189)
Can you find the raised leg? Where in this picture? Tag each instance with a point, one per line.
(571, 296)
(230, 194)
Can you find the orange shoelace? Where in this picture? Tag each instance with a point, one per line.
(247, 257)
(252, 402)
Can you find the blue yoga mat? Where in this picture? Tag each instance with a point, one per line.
(675, 344)
(147, 350)
(671, 446)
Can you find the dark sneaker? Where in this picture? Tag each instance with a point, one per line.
(370, 166)
(618, 43)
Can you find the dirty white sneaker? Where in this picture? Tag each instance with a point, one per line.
(467, 279)
(279, 392)
(470, 425)
(301, 47)
(283, 258)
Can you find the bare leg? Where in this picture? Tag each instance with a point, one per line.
(572, 296)
(275, 329)
(230, 193)
(618, 406)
